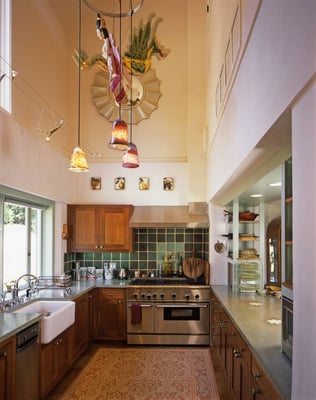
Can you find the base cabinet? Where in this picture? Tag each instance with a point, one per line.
(91, 307)
(81, 326)
(246, 378)
(261, 385)
(110, 315)
(56, 358)
(239, 365)
(7, 369)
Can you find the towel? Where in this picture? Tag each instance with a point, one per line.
(136, 313)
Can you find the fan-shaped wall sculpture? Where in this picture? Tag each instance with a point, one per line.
(145, 96)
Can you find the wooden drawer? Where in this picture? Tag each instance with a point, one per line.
(112, 294)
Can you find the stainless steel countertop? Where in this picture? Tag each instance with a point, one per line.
(251, 314)
(11, 324)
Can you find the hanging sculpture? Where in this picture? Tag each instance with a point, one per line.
(106, 92)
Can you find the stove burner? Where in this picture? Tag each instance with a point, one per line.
(167, 281)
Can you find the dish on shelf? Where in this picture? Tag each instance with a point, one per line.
(244, 215)
(243, 236)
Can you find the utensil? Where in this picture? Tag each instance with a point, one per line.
(122, 273)
(193, 267)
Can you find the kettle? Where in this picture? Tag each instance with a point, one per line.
(122, 274)
(108, 275)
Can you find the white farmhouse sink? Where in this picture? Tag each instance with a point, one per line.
(57, 316)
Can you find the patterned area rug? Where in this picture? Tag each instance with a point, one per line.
(146, 374)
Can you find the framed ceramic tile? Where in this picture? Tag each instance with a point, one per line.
(143, 183)
(119, 183)
(95, 183)
(168, 184)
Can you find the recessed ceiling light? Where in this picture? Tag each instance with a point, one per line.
(275, 184)
(256, 195)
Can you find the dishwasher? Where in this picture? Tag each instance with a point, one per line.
(27, 363)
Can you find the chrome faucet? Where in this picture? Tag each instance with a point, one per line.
(30, 286)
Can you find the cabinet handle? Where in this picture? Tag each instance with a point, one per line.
(222, 324)
(96, 246)
(4, 354)
(119, 301)
(256, 375)
(237, 353)
(254, 393)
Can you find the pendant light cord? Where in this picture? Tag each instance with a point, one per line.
(121, 64)
(131, 76)
(79, 70)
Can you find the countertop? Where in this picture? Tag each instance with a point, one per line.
(12, 323)
(257, 317)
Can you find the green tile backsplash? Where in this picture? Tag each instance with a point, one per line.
(150, 247)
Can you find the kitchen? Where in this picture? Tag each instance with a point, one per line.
(241, 144)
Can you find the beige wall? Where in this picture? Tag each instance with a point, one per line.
(46, 90)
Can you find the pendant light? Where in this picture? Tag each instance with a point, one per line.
(119, 139)
(78, 162)
(130, 156)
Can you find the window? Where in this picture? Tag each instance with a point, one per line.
(5, 54)
(27, 223)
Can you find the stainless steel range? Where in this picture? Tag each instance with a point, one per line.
(168, 312)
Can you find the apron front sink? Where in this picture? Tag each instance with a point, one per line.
(56, 316)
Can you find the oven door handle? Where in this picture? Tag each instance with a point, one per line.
(142, 305)
(182, 305)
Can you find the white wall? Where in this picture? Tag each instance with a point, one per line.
(31, 165)
(304, 238)
(278, 61)
(132, 195)
(277, 72)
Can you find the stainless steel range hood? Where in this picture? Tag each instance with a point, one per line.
(194, 215)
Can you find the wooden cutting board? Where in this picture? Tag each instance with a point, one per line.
(193, 267)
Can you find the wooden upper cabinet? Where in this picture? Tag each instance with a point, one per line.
(99, 228)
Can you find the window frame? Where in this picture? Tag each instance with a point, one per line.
(6, 54)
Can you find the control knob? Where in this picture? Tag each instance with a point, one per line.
(162, 295)
(197, 296)
(135, 295)
(173, 295)
(187, 296)
(143, 295)
(148, 296)
(154, 295)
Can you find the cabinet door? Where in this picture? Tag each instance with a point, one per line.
(117, 235)
(99, 228)
(62, 354)
(55, 361)
(240, 367)
(91, 308)
(82, 225)
(81, 327)
(7, 369)
(110, 315)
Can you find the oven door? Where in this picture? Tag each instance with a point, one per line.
(146, 324)
(185, 319)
